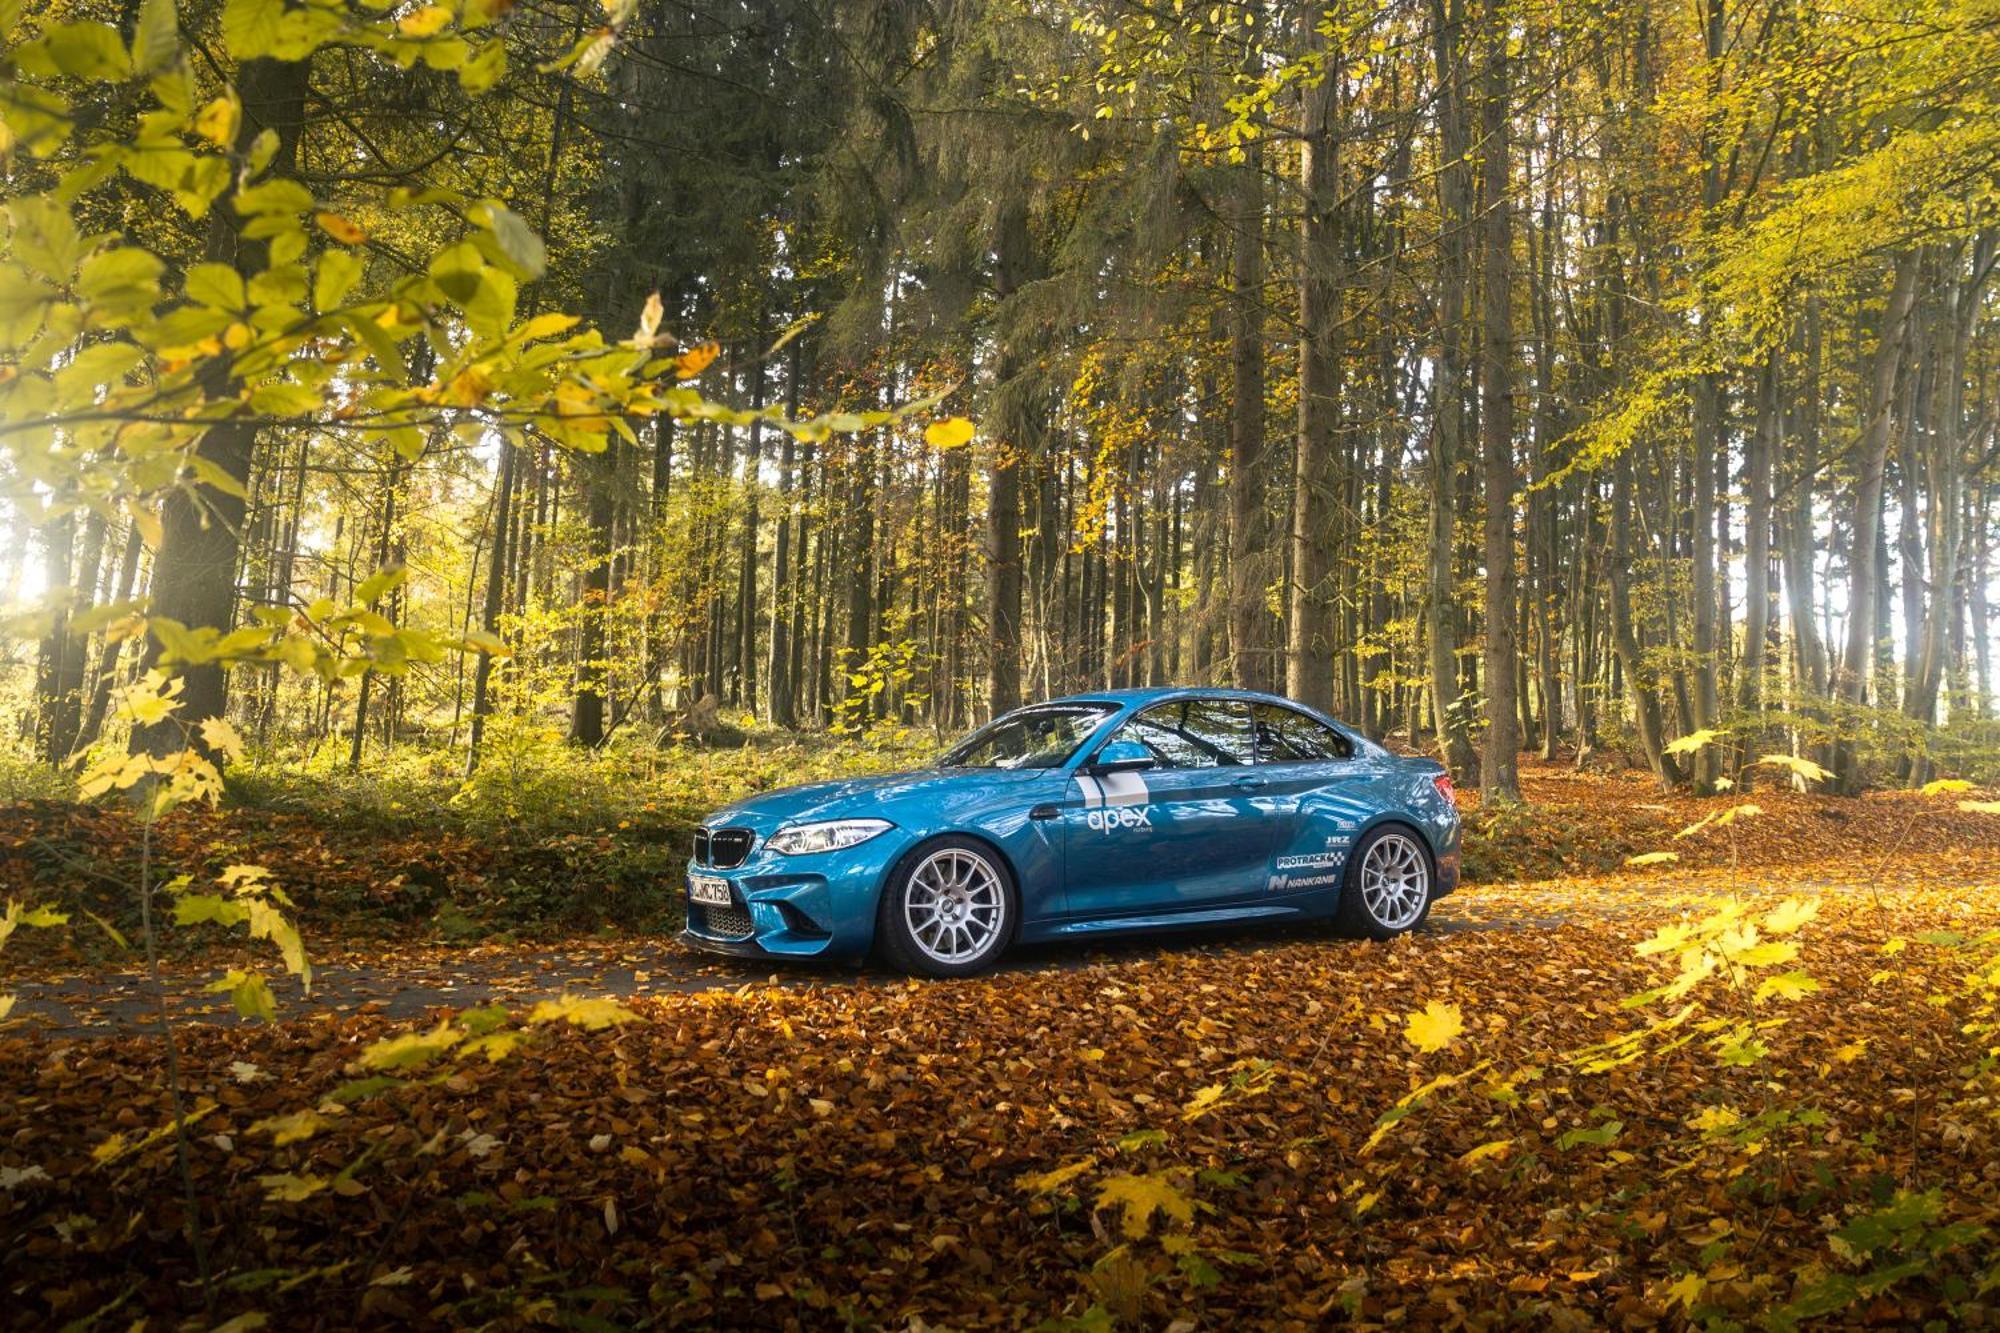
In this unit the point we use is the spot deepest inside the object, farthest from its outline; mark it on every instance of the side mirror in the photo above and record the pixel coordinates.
(1121, 757)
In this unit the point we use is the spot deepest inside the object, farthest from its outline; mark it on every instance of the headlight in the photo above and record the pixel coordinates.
(831, 836)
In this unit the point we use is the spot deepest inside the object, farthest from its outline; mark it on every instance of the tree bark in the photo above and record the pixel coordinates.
(1865, 526)
(1499, 777)
(1309, 656)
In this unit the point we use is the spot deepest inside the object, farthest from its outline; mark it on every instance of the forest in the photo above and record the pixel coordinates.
(448, 447)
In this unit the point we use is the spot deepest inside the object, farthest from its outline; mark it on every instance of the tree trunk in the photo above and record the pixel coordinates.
(1865, 526)
(1499, 778)
(1309, 655)
(194, 571)
(1249, 620)
(1447, 401)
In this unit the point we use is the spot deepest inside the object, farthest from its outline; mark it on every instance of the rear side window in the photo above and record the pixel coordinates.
(1286, 737)
(1194, 733)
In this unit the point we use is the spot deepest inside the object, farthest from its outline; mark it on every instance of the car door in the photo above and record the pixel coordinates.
(1188, 833)
(1314, 779)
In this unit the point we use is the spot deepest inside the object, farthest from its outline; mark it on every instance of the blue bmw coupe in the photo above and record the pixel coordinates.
(1101, 814)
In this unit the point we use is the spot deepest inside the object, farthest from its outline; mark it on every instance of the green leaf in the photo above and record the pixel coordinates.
(516, 239)
(1597, 1137)
(484, 69)
(156, 42)
(335, 277)
(122, 282)
(490, 309)
(216, 285)
(249, 992)
(273, 197)
(88, 51)
(412, 1049)
(377, 584)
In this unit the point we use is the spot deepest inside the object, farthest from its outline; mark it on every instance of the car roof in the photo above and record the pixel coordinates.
(1146, 694)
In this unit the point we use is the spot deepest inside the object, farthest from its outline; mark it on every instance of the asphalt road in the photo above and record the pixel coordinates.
(408, 982)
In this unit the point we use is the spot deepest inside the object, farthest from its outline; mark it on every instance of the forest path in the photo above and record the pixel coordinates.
(408, 981)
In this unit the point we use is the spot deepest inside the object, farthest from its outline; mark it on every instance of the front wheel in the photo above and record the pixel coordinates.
(948, 910)
(1387, 890)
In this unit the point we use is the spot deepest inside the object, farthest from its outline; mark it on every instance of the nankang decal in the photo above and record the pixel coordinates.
(1311, 860)
(1280, 883)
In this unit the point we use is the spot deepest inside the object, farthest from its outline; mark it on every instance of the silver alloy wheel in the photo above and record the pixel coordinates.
(955, 905)
(1395, 881)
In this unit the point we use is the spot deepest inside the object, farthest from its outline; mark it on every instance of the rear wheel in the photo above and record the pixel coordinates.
(948, 911)
(1387, 890)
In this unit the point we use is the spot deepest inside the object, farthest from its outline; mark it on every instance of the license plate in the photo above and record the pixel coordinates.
(709, 890)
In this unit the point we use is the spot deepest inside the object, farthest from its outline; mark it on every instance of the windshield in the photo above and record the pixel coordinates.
(1040, 737)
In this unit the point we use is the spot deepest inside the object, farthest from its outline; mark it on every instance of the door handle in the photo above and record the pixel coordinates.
(1247, 783)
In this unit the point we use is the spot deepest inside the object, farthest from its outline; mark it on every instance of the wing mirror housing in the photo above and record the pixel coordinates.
(1121, 757)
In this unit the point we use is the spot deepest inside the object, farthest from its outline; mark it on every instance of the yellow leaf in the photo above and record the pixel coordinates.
(6, 1005)
(1694, 740)
(289, 1188)
(425, 22)
(1851, 1052)
(1804, 768)
(1980, 807)
(647, 333)
(338, 227)
(948, 433)
(592, 1014)
(1667, 939)
(1047, 1182)
(1435, 1027)
(150, 699)
(1652, 858)
(695, 360)
(1789, 915)
(1496, 1148)
(217, 121)
(293, 1128)
(1686, 1291)
(1142, 1196)
(217, 734)
(1940, 786)
(1786, 986)
(1713, 1118)
(1204, 1100)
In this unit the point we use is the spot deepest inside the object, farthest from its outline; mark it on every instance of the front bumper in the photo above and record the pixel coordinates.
(821, 905)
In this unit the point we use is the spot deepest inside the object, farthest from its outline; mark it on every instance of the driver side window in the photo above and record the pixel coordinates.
(1194, 733)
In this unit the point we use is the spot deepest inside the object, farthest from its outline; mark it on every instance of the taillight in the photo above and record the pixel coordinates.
(1443, 783)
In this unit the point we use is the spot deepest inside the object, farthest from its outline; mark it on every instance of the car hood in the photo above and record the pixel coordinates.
(882, 796)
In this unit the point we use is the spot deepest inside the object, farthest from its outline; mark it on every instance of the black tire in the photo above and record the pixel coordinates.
(1404, 847)
(929, 933)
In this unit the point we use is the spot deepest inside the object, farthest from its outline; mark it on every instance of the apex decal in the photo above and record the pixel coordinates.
(1114, 818)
